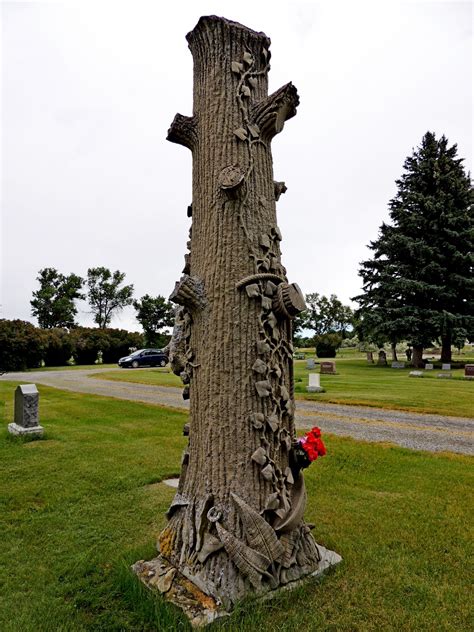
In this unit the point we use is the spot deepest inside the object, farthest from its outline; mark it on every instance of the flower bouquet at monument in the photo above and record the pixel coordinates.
(309, 448)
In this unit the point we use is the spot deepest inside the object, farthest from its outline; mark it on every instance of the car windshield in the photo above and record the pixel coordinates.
(135, 353)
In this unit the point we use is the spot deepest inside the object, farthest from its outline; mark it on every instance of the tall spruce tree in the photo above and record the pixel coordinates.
(419, 286)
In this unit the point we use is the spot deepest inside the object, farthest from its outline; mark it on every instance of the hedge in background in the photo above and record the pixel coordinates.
(21, 345)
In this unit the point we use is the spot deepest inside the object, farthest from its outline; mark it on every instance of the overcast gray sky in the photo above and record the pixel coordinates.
(89, 90)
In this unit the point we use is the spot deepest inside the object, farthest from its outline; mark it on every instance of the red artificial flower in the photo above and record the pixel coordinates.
(312, 444)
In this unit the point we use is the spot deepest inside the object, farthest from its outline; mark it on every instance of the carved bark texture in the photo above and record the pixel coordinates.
(235, 351)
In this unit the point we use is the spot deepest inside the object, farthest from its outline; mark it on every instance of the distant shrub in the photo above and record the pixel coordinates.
(112, 343)
(327, 345)
(119, 343)
(58, 346)
(87, 342)
(21, 345)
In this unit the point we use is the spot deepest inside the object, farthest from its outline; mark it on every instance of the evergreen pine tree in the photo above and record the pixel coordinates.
(419, 286)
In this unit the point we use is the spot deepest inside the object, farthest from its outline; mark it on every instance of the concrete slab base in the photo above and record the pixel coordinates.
(18, 431)
(200, 608)
(315, 389)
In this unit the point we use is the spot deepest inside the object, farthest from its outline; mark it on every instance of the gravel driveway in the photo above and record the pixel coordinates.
(434, 433)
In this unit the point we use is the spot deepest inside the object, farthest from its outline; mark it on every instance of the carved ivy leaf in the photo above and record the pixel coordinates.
(285, 439)
(273, 422)
(276, 370)
(252, 290)
(263, 264)
(270, 288)
(253, 128)
(257, 420)
(264, 388)
(272, 502)
(262, 346)
(237, 67)
(253, 82)
(259, 366)
(277, 233)
(245, 91)
(267, 472)
(260, 456)
(267, 305)
(264, 241)
(289, 476)
(284, 393)
(241, 133)
(272, 320)
(248, 59)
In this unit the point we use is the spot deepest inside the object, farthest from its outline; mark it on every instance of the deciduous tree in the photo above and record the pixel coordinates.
(154, 314)
(54, 303)
(106, 294)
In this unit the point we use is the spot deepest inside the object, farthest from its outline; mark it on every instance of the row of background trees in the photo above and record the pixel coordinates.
(418, 287)
(59, 338)
(54, 303)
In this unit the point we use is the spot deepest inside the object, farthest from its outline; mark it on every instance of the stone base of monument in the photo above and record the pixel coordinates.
(33, 431)
(200, 608)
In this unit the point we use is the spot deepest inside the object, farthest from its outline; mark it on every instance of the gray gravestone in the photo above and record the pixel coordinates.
(26, 411)
(382, 361)
(416, 373)
(314, 385)
(445, 375)
(446, 367)
(310, 363)
(398, 365)
(428, 367)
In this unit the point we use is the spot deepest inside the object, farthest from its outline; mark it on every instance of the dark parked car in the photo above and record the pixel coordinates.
(144, 357)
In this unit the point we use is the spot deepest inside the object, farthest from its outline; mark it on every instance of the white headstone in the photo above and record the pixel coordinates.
(314, 385)
(428, 367)
(416, 373)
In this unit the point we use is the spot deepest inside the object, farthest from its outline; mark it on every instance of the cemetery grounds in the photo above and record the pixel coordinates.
(84, 503)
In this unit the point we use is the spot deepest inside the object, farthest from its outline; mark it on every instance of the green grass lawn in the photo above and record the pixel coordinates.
(356, 383)
(78, 507)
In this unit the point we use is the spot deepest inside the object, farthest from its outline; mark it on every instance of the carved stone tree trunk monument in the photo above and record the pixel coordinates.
(236, 523)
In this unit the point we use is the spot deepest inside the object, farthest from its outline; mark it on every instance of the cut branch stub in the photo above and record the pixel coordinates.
(271, 113)
(189, 291)
(279, 188)
(288, 300)
(231, 177)
(183, 131)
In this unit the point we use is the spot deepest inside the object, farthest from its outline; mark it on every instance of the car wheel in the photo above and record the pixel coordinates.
(163, 363)
(135, 364)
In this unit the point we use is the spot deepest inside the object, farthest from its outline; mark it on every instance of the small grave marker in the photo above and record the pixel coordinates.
(446, 367)
(445, 375)
(416, 373)
(310, 363)
(382, 361)
(328, 368)
(314, 385)
(26, 411)
(398, 365)
(428, 367)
